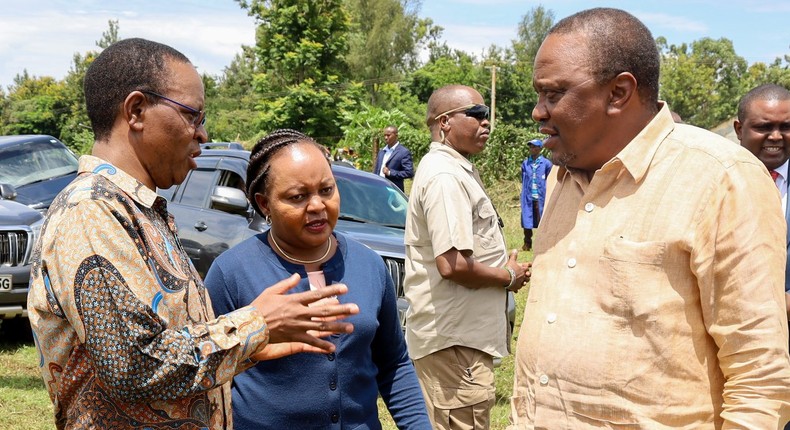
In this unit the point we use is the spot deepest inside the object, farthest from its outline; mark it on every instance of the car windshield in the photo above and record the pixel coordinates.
(30, 162)
(365, 200)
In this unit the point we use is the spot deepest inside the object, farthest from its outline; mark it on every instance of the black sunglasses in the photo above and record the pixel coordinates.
(478, 112)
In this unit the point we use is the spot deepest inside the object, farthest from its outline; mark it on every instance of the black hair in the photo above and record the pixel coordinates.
(261, 156)
(617, 42)
(762, 92)
(125, 66)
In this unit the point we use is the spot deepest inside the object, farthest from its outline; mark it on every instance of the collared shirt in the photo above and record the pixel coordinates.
(448, 208)
(781, 182)
(387, 154)
(124, 327)
(656, 298)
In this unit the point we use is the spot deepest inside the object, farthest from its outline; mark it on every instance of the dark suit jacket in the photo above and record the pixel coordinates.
(399, 163)
(787, 266)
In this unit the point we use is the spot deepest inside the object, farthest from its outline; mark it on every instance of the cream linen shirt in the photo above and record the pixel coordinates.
(657, 293)
(448, 208)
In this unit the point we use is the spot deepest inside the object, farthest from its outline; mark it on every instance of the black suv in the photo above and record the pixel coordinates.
(19, 228)
(213, 214)
(34, 168)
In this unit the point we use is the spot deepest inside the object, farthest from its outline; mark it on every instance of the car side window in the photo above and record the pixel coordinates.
(232, 179)
(199, 181)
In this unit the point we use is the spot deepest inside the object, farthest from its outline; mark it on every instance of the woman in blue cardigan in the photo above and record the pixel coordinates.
(290, 183)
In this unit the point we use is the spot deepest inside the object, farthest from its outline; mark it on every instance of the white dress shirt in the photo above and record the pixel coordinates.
(387, 154)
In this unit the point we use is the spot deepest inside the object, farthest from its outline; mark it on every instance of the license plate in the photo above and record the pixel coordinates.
(6, 282)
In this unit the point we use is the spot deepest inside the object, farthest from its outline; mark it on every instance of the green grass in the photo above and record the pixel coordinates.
(25, 404)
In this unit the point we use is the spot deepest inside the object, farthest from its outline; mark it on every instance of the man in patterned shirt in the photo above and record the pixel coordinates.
(121, 319)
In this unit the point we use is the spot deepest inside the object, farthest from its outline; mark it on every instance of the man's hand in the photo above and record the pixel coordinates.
(296, 327)
(523, 271)
(386, 171)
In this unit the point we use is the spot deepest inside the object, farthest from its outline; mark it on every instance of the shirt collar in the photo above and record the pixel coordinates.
(639, 152)
(782, 170)
(129, 185)
(388, 149)
(447, 149)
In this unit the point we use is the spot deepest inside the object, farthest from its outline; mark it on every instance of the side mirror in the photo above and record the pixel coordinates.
(7, 192)
(230, 200)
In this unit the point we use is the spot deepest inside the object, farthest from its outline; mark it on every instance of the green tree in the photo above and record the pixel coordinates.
(232, 101)
(384, 41)
(775, 73)
(363, 131)
(35, 106)
(456, 67)
(300, 72)
(702, 82)
(532, 29)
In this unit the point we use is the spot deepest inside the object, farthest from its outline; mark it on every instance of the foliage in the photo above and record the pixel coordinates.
(774, 73)
(384, 41)
(532, 29)
(363, 132)
(703, 83)
(505, 150)
(457, 67)
(299, 70)
(35, 106)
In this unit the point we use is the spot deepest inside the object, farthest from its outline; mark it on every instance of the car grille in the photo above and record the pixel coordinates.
(396, 269)
(13, 247)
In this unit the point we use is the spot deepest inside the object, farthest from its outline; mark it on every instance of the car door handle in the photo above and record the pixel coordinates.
(200, 226)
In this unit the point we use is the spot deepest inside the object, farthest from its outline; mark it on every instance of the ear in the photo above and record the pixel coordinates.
(622, 91)
(263, 203)
(133, 110)
(444, 123)
(738, 129)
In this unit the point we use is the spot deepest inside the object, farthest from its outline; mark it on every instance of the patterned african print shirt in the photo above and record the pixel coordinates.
(122, 322)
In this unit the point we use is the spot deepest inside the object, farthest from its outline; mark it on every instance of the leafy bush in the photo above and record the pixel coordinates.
(505, 151)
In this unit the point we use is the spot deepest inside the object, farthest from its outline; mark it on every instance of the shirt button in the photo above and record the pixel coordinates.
(331, 356)
(333, 385)
(544, 379)
(571, 263)
(335, 418)
(551, 317)
(589, 207)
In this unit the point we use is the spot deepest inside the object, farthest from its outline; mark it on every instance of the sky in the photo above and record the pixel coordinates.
(42, 36)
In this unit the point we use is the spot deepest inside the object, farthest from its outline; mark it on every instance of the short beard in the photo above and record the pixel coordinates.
(562, 160)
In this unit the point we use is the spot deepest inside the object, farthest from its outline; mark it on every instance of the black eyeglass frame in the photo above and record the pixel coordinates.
(201, 115)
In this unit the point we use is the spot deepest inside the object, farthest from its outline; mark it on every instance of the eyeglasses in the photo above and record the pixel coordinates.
(479, 112)
(198, 116)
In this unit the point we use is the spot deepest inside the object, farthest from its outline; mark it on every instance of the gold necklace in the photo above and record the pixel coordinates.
(296, 260)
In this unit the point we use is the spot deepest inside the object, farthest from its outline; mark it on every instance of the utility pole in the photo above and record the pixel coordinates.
(493, 96)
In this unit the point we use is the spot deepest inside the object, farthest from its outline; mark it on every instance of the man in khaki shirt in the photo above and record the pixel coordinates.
(457, 267)
(657, 296)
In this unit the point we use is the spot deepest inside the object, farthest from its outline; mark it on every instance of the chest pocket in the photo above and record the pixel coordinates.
(633, 273)
(485, 225)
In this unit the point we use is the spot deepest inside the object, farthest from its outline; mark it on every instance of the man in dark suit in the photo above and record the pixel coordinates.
(394, 161)
(763, 127)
